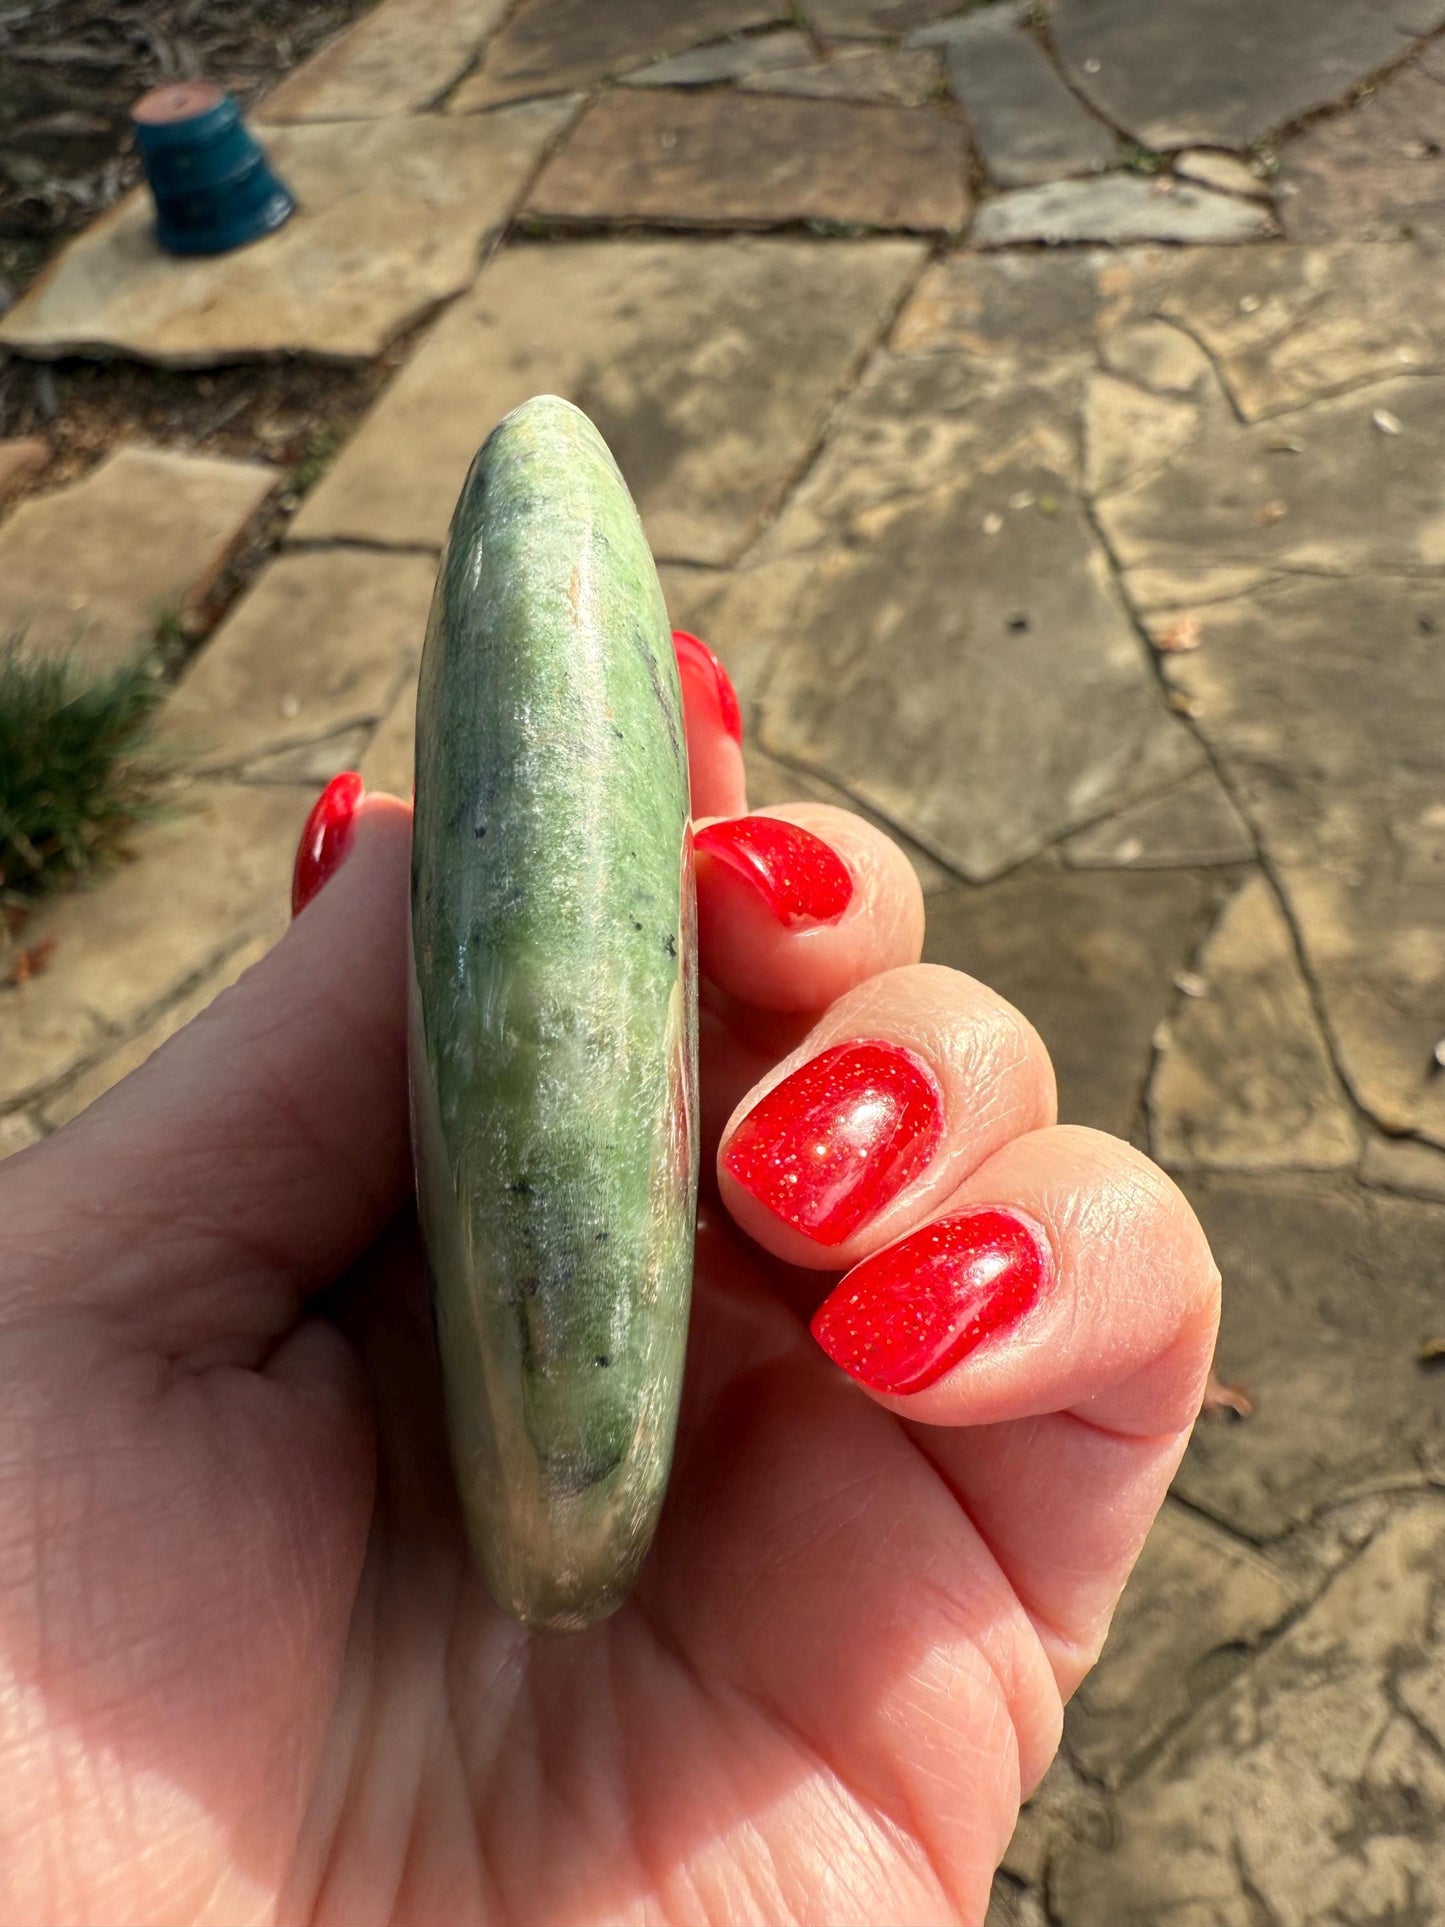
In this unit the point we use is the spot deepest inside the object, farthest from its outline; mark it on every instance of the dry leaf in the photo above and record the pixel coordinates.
(1220, 1398)
(1387, 423)
(1271, 512)
(1180, 636)
(30, 963)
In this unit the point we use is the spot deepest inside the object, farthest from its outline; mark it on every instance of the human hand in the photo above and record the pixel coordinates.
(248, 1674)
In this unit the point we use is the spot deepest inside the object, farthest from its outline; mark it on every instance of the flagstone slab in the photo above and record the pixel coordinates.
(1118, 208)
(400, 57)
(746, 55)
(1329, 1291)
(1227, 172)
(677, 158)
(1089, 957)
(1404, 1165)
(876, 19)
(709, 367)
(21, 458)
(1313, 1788)
(1027, 125)
(393, 218)
(1224, 73)
(907, 76)
(1193, 823)
(553, 46)
(1004, 306)
(1325, 703)
(319, 644)
(93, 1082)
(1243, 1080)
(1198, 1600)
(97, 564)
(213, 874)
(1376, 171)
(389, 762)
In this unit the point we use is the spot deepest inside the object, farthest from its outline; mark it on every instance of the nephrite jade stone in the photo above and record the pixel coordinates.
(554, 1017)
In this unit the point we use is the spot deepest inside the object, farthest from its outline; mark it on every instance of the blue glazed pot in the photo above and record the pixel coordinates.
(213, 186)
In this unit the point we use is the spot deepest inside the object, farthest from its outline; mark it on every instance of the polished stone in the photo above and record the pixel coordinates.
(710, 368)
(393, 217)
(99, 563)
(687, 159)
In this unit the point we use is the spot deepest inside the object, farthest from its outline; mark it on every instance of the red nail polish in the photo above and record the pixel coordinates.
(697, 662)
(326, 837)
(796, 874)
(904, 1317)
(827, 1148)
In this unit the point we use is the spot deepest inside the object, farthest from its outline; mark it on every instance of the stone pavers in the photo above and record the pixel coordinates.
(99, 564)
(393, 216)
(709, 366)
(1108, 574)
(683, 159)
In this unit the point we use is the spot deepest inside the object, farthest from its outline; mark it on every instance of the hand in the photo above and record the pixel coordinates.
(247, 1672)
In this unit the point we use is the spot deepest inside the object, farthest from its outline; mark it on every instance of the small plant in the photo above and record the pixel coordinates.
(78, 766)
(322, 447)
(1143, 160)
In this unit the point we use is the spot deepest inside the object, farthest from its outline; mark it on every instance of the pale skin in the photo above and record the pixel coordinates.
(246, 1672)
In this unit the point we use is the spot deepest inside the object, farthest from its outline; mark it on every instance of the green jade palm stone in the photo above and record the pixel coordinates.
(554, 1017)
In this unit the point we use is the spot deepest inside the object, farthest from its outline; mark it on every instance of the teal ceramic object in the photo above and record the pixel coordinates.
(554, 1016)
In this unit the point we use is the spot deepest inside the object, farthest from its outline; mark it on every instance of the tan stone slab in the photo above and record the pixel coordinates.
(212, 875)
(550, 45)
(98, 562)
(1376, 171)
(401, 56)
(755, 54)
(1004, 306)
(1130, 432)
(18, 1131)
(1227, 172)
(1325, 702)
(1197, 1595)
(1243, 1080)
(21, 458)
(390, 759)
(394, 214)
(907, 76)
(876, 19)
(709, 367)
(1313, 1789)
(319, 644)
(1404, 1165)
(98, 1078)
(694, 159)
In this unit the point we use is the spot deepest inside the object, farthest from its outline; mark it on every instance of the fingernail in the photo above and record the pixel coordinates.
(907, 1315)
(827, 1148)
(796, 874)
(697, 662)
(326, 837)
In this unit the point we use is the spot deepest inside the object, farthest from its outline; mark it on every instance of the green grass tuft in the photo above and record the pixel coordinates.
(78, 766)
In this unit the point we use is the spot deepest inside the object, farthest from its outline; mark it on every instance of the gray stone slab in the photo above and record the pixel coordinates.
(1004, 306)
(1243, 1080)
(1196, 1605)
(967, 669)
(1090, 958)
(1224, 73)
(1193, 823)
(1324, 701)
(747, 55)
(906, 76)
(710, 369)
(98, 563)
(213, 874)
(1313, 1790)
(1118, 208)
(1376, 171)
(553, 46)
(393, 217)
(397, 58)
(1027, 124)
(320, 643)
(876, 19)
(716, 158)
(1329, 1291)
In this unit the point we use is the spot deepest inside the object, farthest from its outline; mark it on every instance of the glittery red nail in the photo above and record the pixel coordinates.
(827, 1148)
(795, 873)
(907, 1315)
(704, 673)
(326, 837)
